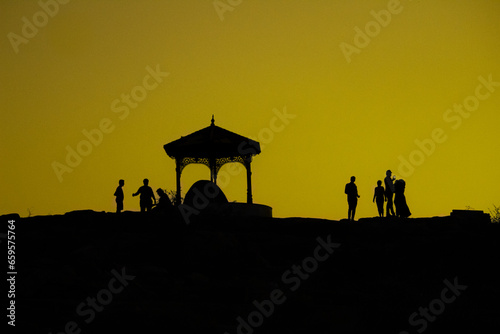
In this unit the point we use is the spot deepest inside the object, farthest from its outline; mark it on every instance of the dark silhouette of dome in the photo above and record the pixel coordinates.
(204, 192)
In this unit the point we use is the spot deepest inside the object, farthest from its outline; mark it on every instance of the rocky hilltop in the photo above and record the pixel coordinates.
(96, 272)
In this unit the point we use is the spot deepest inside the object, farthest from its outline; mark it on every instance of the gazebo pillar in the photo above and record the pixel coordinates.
(213, 170)
(178, 181)
(249, 180)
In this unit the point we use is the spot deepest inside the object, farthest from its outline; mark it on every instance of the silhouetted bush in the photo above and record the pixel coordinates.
(495, 214)
(172, 194)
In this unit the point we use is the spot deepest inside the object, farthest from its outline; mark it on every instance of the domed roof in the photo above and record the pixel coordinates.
(212, 142)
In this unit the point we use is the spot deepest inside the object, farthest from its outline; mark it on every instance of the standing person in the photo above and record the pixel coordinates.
(352, 197)
(402, 209)
(389, 192)
(119, 196)
(146, 196)
(379, 195)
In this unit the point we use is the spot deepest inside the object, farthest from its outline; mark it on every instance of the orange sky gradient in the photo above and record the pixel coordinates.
(330, 89)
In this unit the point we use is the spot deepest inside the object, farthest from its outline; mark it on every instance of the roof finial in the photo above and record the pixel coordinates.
(213, 120)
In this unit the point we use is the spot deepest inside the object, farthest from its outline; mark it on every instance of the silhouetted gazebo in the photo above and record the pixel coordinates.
(213, 147)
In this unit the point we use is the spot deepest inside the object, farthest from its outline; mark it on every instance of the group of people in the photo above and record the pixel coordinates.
(393, 187)
(381, 195)
(147, 199)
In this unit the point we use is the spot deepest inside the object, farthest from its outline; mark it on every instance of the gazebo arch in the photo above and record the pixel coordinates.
(213, 147)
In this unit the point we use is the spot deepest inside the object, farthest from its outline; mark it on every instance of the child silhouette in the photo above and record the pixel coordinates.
(379, 196)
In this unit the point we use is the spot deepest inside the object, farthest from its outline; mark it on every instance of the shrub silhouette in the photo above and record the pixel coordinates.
(495, 214)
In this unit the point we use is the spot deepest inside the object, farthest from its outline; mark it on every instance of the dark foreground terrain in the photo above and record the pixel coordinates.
(90, 272)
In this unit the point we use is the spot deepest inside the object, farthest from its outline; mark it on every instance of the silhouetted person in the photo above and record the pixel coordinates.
(119, 196)
(402, 209)
(164, 203)
(379, 196)
(389, 192)
(352, 197)
(146, 195)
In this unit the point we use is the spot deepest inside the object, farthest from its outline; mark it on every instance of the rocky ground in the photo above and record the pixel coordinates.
(91, 272)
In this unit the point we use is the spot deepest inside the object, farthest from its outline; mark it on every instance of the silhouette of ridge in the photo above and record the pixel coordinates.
(203, 275)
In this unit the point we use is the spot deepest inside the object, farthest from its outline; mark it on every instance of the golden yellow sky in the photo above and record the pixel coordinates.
(357, 85)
